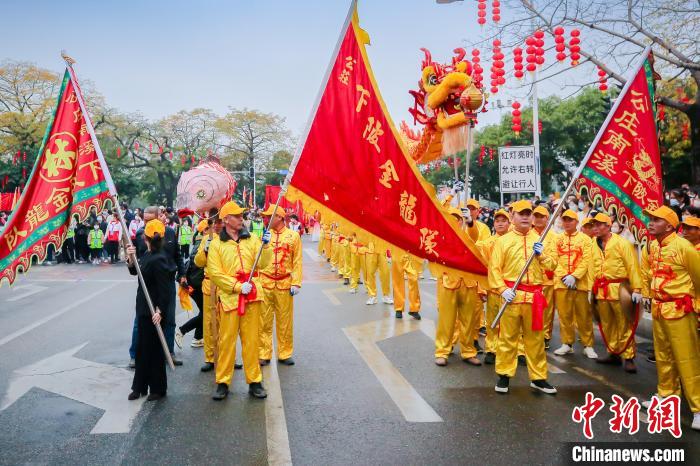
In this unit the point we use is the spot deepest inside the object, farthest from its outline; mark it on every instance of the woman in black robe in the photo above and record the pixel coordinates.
(150, 359)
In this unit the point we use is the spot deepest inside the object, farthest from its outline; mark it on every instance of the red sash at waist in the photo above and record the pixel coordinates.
(604, 283)
(539, 302)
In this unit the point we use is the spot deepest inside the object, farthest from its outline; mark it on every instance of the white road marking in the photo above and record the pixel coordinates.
(50, 317)
(278, 452)
(99, 385)
(331, 295)
(25, 291)
(313, 255)
(364, 338)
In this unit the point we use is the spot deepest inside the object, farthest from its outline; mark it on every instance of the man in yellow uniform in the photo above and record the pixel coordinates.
(335, 250)
(376, 261)
(230, 262)
(614, 262)
(456, 300)
(321, 238)
(478, 231)
(357, 262)
(281, 281)
(210, 314)
(411, 268)
(346, 259)
(540, 218)
(501, 224)
(525, 313)
(671, 278)
(587, 227)
(573, 255)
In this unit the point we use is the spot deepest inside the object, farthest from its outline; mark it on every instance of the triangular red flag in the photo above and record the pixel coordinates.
(355, 170)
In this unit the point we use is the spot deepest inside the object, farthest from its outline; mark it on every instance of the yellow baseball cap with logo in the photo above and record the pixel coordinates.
(541, 210)
(521, 205)
(692, 222)
(502, 213)
(602, 218)
(230, 208)
(568, 213)
(665, 213)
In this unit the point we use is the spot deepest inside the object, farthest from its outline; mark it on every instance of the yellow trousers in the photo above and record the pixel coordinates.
(616, 327)
(335, 255)
(517, 320)
(278, 305)
(321, 243)
(548, 291)
(574, 314)
(347, 261)
(328, 247)
(247, 326)
(493, 304)
(397, 278)
(208, 314)
(374, 263)
(455, 311)
(356, 261)
(678, 358)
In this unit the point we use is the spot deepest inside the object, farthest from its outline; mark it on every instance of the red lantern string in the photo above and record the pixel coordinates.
(24, 156)
(24, 173)
(517, 122)
(171, 155)
(119, 152)
(530, 50)
(539, 126)
(477, 74)
(491, 154)
(496, 11)
(574, 47)
(560, 43)
(481, 13)
(497, 68)
(539, 48)
(136, 146)
(192, 160)
(602, 80)
(518, 62)
(661, 112)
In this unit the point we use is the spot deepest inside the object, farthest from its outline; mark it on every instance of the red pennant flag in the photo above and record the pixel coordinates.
(377, 193)
(67, 179)
(622, 169)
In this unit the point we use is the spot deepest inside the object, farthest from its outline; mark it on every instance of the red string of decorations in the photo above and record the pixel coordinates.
(496, 11)
(574, 46)
(481, 13)
(517, 122)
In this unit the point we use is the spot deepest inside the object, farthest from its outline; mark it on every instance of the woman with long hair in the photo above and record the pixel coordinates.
(150, 360)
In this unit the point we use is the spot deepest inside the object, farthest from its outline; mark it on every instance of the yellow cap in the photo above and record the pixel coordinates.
(522, 204)
(602, 218)
(153, 227)
(230, 208)
(568, 213)
(280, 211)
(202, 225)
(473, 203)
(503, 213)
(692, 222)
(455, 211)
(586, 221)
(665, 213)
(541, 210)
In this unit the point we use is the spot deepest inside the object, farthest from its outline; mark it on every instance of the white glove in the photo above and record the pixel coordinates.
(569, 281)
(294, 290)
(266, 237)
(246, 288)
(508, 295)
(538, 248)
(637, 297)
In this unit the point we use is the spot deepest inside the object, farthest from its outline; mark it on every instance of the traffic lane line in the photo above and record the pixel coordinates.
(278, 451)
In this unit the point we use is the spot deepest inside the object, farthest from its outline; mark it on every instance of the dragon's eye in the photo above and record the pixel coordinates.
(432, 80)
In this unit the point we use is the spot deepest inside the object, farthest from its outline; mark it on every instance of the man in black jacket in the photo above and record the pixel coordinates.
(172, 252)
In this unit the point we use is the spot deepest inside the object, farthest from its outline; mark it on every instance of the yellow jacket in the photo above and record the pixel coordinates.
(618, 261)
(200, 260)
(485, 247)
(227, 258)
(573, 256)
(479, 231)
(670, 271)
(550, 250)
(284, 269)
(508, 257)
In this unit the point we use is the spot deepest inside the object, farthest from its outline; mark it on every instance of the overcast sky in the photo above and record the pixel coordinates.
(158, 57)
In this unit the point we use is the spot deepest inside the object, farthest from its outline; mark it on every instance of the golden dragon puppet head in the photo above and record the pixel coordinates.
(446, 104)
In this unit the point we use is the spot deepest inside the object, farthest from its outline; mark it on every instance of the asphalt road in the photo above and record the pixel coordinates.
(364, 390)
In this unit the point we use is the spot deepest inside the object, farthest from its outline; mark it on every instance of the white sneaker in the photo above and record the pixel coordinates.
(646, 403)
(353, 290)
(696, 421)
(178, 338)
(387, 300)
(564, 349)
(371, 300)
(197, 343)
(590, 353)
(333, 269)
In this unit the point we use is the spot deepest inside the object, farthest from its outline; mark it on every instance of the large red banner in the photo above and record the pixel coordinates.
(354, 168)
(623, 173)
(67, 180)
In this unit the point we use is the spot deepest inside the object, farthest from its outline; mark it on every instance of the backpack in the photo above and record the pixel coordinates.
(194, 275)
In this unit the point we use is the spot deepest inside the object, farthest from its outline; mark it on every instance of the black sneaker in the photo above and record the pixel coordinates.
(546, 344)
(415, 315)
(176, 361)
(522, 361)
(482, 331)
(543, 386)
(238, 365)
(257, 390)
(207, 367)
(264, 362)
(502, 384)
(652, 358)
(286, 362)
(478, 347)
(221, 392)
(346, 281)
(490, 358)
(399, 315)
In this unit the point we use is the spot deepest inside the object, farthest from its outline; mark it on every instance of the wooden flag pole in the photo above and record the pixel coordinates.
(113, 192)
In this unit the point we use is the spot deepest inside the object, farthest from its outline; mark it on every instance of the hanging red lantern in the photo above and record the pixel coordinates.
(481, 13)
(192, 160)
(119, 152)
(602, 80)
(516, 127)
(24, 173)
(661, 114)
(491, 154)
(171, 155)
(539, 126)
(574, 47)
(24, 156)
(496, 11)
(136, 146)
